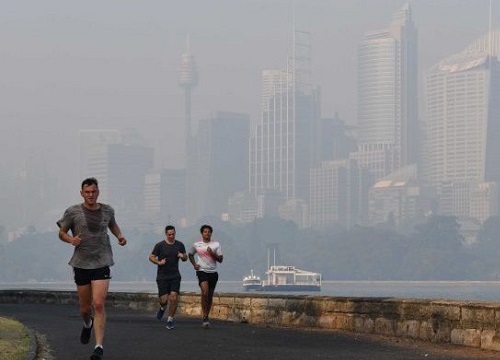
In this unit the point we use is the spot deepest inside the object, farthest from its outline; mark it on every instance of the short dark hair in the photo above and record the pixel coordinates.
(203, 227)
(169, 227)
(90, 181)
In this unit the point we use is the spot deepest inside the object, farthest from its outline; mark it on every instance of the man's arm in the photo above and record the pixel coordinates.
(64, 236)
(193, 262)
(154, 259)
(115, 229)
(219, 255)
(182, 254)
(216, 255)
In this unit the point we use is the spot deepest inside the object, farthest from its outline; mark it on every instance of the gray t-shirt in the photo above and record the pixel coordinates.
(94, 251)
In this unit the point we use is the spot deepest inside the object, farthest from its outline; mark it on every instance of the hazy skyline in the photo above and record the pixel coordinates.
(114, 64)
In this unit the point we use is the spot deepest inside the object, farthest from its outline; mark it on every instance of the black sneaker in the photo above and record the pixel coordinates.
(85, 334)
(97, 354)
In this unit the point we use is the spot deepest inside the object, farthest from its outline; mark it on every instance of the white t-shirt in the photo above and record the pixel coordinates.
(203, 258)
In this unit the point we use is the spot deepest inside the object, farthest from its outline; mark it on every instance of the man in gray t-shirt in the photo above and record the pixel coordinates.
(92, 257)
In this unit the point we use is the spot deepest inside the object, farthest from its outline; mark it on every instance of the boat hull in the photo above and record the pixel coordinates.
(254, 287)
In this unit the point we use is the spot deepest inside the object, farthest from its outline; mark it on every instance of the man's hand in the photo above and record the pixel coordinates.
(75, 240)
(122, 241)
(211, 253)
(214, 255)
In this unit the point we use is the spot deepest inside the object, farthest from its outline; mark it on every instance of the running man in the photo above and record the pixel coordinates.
(92, 258)
(208, 252)
(166, 255)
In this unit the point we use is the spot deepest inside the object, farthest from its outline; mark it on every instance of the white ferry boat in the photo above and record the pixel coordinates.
(290, 278)
(252, 282)
(283, 278)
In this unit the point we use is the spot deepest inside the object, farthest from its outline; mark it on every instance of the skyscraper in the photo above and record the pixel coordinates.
(463, 118)
(119, 162)
(164, 197)
(220, 164)
(282, 141)
(337, 142)
(387, 90)
(339, 194)
(92, 147)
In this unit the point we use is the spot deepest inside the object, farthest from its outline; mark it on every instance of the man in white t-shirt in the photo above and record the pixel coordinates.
(208, 252)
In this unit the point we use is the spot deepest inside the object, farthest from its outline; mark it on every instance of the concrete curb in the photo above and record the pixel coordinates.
(33, 344)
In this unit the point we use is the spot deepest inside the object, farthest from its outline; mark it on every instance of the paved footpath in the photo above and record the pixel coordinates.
(138, 335)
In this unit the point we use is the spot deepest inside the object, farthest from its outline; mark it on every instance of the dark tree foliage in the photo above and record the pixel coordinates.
(434, 250)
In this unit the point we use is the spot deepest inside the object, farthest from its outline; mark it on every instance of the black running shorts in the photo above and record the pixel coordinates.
(85, 276)
(166, 286)
(212, 278)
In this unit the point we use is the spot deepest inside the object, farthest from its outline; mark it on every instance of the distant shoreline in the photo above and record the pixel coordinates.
(453, 290)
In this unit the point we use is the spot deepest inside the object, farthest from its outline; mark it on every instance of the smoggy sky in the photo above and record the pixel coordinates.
(69, 65)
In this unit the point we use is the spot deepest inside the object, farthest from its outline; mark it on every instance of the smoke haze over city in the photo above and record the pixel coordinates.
(114, 67)
(115, 64)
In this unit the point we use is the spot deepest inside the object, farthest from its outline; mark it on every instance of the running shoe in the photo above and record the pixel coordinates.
(159, 314)
(170, 324)
(205, 323)
(85, 334)
(97, 354)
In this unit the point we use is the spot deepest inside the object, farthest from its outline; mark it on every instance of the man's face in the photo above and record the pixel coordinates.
(170, 235)
(206, 234)
(90, 193)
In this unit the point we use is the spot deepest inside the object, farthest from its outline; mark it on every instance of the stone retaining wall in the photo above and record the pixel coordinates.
(475, 324)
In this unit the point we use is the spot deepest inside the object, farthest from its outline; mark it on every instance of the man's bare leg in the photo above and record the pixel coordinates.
(85, 301)
(172, 303)
(99, 293)
(204, 298)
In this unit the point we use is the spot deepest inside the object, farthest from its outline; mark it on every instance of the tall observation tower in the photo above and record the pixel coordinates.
(187, 80)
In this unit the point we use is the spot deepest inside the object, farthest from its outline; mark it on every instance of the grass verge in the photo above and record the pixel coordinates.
(14, 340)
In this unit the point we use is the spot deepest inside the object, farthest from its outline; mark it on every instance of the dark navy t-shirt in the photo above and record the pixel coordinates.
(164, 250)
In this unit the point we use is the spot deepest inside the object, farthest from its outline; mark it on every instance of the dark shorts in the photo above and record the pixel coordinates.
(85, 276)
(212, 278)
(166, 286)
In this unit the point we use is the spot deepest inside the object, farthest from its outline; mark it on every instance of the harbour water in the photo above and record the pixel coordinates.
(450, 290)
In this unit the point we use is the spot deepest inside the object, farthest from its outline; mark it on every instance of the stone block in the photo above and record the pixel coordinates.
(364, 324)
(426, 331)
(343, 322)
(439, 311)
(466, 337)
(384, 326)
(478, 317)
(337, 305)
(326, 321)
(408, 328)
(490, 340)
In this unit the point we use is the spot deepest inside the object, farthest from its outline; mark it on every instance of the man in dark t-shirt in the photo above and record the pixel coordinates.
(166, 255)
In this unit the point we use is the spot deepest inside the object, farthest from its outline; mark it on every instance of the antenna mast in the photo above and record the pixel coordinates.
(490, 36)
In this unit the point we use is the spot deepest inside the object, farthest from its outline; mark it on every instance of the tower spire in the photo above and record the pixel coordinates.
(188, 79)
